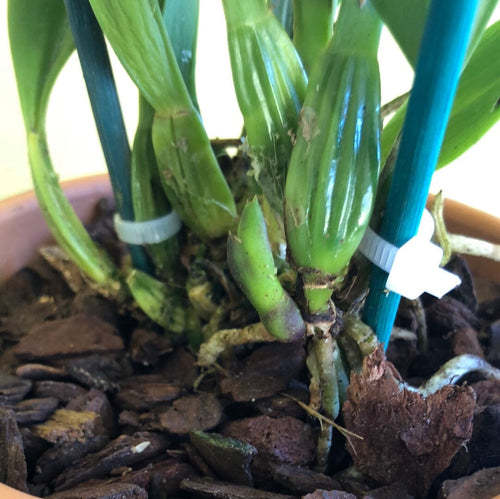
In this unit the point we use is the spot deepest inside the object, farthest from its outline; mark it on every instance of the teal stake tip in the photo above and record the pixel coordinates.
(442, 53)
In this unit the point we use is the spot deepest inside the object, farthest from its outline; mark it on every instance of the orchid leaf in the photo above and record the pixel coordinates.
(41, 43)
(283, 10)
(189, 172)
(181, 21)
(405, 20)
(139, 38)
(477, 102)
(475, 109)
(312, 28)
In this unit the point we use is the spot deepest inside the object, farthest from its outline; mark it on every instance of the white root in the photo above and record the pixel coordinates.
(455, 369)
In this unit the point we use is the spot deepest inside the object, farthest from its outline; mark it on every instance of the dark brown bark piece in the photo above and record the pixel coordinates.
(484, 483)
(24, 317)
(36, 371)
(146, 347)
(465, 340)
(66, 426)
(282, 405)
(161, 479)
(202, 411)
(63, 391)
(493, 356)
(77, 335)
(95, 401)
(228, 457)
(483, 449)
(402, 351)
(12, 388)
(286, 439)
(103, 491)
(406, 437)
(267, 371)
(124, 451)
(464, 293)
(145, 392)
(53, 461)
(389, 492)
(304, 480)
(487, 392)
(145, 421)
(35, 410)
(179, 368)
(448, 314)
(197, 461)
(13, 470)
(93, 305)
(329, 494)
(206, 487)
(97, 371)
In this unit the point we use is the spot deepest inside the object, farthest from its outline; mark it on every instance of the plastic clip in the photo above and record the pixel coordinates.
(148, 232)
(414, 268)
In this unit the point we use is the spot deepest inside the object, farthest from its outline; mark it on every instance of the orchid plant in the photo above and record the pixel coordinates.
(272, 233)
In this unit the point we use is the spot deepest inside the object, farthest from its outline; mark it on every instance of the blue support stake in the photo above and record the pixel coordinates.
(442, 52)
(103, 96)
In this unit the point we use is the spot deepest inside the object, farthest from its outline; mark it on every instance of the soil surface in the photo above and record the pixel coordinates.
(96, 402)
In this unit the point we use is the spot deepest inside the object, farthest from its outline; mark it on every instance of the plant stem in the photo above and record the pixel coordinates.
(148, 197)
(270, 84)
(312, 28)
(333, 171)
(65, 226)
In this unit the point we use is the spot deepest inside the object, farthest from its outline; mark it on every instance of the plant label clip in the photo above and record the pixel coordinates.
(414, 267)
(149, 231)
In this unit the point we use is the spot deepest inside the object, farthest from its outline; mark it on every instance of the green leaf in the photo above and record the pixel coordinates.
(189, 172)
(181, 20)
(475, 109)
(312, 28)
(283, 10)
(137, 34)
(40, 43)
(406, 20)
(477, 103)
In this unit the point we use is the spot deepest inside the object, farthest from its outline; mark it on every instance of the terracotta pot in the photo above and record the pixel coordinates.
(10, 493)
(23, 230)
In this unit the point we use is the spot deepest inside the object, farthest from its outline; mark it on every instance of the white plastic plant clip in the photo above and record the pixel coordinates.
(414, 268)
(147, 232)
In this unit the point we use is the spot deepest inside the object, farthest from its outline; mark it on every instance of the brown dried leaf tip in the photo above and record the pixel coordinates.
(406, 437)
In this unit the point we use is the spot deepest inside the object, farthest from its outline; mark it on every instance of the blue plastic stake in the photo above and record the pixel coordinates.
(442, 52)
(103, 96)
